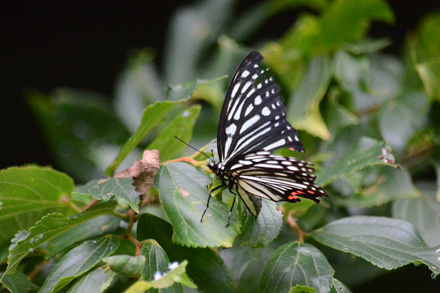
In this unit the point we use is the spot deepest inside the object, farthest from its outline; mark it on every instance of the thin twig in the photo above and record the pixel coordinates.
(185, 159)
(132, 220)
(35, 272)
(292, 223)
(91, 203)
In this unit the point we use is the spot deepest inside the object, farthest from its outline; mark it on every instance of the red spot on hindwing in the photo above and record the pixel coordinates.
(293, 195)
(292, 149)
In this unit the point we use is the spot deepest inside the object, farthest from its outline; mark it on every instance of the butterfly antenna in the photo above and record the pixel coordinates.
(212, 155)
(193, 148)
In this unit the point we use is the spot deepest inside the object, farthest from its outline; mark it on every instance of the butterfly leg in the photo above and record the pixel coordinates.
(209, 199)
(230, 211)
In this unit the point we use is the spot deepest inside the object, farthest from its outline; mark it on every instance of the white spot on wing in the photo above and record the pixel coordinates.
(249, 109)
(245, 87)
(245, 73)
(236, 166)
(235, 89)
(227, 144)
(275, 145)
(238, 112)
(258, 100)
(265, 111)
(231, 129)
(262, 165)
(249, 123)
(250, 92)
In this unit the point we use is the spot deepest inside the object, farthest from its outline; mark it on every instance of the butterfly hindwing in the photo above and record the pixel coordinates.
(253, 116)
(276, 178)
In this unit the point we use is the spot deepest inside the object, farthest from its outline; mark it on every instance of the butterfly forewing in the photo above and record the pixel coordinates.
(253, 116)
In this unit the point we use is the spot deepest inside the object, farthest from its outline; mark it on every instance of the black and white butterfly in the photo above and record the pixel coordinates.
(253, 123)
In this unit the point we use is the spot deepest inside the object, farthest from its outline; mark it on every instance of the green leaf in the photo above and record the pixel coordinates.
(184, 91)
(437, 171)
(183, 195)
(366, 45)
(429, 34)
(423, 213)
(18, 283)
(95, 281)
(47, 228)
(303, 109)
(320, 35)
(313, 216)
(92, 228)
(246, 264)
(138, 85)
(365, 153)
(386, 243)
(297, 264)
(350, 71)
(391, 184)
(152, 116)
(261, 230)
(385, 77)
(429, 73)
(81, 129)
(338, 116)
(176, 275)
(302, 289)
(157, 261)
(126, 265)
(370, 79)
(192, 30)
(397, 131)
(121, 188)
(339, 287)
(182, 127)
(78, 261)
(205, 267)
(27, 193)
(426, 56)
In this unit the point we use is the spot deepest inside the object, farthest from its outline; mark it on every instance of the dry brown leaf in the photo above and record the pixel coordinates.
(143, 171)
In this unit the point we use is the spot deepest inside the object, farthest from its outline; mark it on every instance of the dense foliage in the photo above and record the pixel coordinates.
(369, 122)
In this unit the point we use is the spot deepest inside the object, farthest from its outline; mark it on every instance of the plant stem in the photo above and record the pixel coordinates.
(91, 203)
(292, 223)
(35, 272)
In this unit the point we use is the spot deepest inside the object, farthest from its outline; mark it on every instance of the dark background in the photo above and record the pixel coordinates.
(85, 44)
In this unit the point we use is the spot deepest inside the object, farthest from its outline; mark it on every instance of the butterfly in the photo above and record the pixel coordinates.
(252, 124)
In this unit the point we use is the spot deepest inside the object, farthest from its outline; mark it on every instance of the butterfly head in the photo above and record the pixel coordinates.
(212, 166)
(218, 169)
